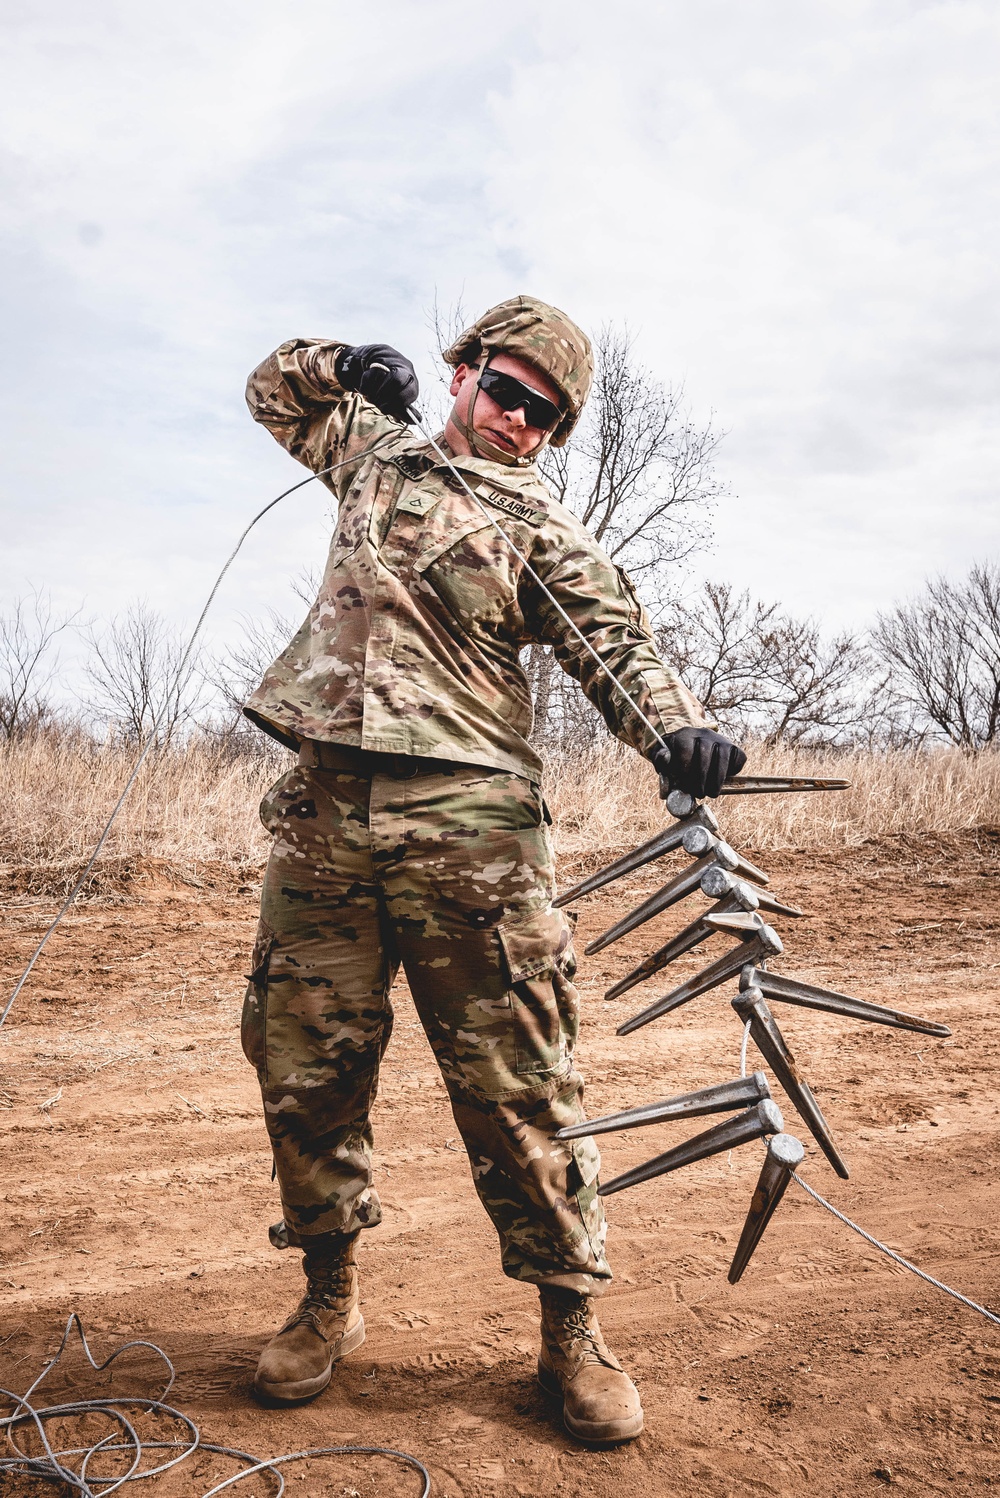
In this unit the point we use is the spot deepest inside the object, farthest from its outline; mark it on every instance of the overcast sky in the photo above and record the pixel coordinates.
(793, 205)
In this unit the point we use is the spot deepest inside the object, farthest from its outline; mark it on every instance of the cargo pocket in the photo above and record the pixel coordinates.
(284, 792)
(586, 1167)
(545, 1006)
(253, 1025)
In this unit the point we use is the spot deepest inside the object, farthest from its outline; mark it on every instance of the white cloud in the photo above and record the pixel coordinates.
(794, 206)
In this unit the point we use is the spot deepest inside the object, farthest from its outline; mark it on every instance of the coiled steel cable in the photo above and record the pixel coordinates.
(52, 1466)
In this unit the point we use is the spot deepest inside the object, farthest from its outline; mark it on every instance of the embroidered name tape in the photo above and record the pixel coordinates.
(412, 465)
(519, 508)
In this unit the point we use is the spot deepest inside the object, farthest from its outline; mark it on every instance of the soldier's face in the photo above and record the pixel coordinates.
(507, 429)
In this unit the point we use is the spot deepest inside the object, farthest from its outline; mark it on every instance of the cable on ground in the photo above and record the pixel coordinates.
(125, 1439)
(973, 1305)
(897, 1258)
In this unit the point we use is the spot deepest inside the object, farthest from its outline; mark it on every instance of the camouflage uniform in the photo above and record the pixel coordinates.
(409, 662)
(450, 872)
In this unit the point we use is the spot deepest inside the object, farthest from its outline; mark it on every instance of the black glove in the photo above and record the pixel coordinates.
(392, 387)
(700, 761)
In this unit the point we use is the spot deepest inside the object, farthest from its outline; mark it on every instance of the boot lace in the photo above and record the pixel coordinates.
(575, 1326)
(323, 1291)
(575, 1323)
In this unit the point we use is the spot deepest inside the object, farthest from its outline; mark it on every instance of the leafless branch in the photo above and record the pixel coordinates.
(133, 670)
(638, 472)
(759, 670)
(944, 649)
(28, 660)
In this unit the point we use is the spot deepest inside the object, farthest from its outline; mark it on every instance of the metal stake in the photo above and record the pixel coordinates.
(750, 1005)
(765, 1118)
(788, 990)
(722, 1098)
(784, 1153)
(761, 945)
(657, 847)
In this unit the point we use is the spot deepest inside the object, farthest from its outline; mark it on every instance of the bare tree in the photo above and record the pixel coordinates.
(759, 670)
(638, 472)
(641, 476)
(944, 649)
(28, 661)
(240, 670)
(135, 672)
(445, 324)
(717, 641)
(814, 688)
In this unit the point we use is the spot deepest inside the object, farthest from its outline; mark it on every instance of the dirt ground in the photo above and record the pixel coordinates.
(138, 1192)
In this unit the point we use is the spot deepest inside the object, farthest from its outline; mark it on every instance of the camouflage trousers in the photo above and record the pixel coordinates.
(450, 873)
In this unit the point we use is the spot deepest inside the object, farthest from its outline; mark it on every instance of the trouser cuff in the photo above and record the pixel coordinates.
(282, 1236)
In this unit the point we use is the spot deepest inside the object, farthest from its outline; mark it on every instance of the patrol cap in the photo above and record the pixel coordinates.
(542, 335)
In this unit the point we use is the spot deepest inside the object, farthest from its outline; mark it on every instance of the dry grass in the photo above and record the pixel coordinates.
(192, 805)
(198, 806)
(610, 800)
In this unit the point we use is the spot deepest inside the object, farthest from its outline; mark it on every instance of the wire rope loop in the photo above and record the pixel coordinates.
(51, 1466)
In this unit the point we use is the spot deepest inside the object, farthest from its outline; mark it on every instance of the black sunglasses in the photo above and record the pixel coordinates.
(510, 393)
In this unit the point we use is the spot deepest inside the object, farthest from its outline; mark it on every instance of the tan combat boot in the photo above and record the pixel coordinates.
(297, 1363)
(600, 1402)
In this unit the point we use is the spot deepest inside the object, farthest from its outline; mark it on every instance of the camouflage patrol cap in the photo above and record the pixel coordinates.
(542, 335)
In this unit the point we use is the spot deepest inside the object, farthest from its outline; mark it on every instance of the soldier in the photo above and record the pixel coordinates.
(413, 828)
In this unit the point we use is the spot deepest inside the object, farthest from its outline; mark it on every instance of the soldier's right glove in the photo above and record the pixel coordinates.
(382, 375)
(699, 761)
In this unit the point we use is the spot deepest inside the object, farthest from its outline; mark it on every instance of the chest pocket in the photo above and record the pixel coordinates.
(471, 571)
(444, 533)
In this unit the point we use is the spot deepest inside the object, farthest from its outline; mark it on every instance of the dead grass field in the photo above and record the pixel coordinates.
(141, 1195)
(198, 806)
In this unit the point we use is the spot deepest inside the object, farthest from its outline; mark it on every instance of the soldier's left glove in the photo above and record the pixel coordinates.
(699, 761)
(391, 385)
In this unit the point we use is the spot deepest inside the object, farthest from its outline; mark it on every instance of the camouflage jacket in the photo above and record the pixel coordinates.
(413, 643)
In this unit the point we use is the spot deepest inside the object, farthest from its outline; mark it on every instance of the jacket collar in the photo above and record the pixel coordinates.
(417, 451)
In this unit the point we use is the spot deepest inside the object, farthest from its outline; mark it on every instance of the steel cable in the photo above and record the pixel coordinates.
(418, 421)
(176, 682)
(882, 1247)
(181, 669)
(890, 1253)
(52, 1465)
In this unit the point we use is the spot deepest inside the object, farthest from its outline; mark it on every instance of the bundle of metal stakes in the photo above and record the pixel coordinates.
(737, 890)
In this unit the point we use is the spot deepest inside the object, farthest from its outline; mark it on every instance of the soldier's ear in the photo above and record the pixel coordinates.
(462, 373)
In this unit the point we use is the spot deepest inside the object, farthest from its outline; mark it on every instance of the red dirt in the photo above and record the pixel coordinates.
(142, 1197)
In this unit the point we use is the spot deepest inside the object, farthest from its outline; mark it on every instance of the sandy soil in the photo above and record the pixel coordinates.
(137, 1190)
